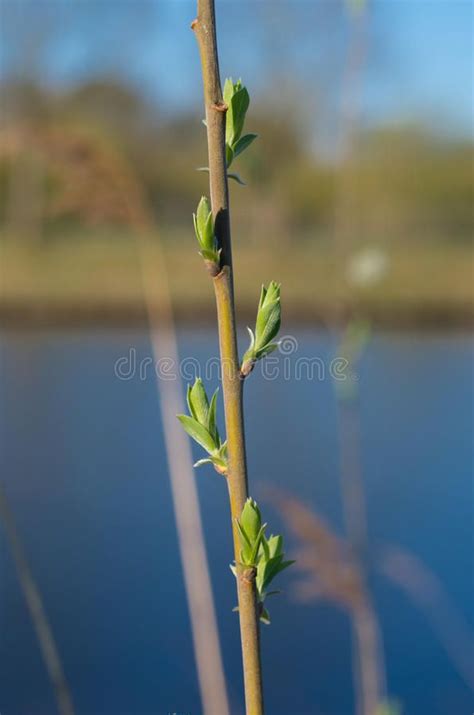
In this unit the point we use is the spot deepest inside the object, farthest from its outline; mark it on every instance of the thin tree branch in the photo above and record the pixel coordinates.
(205, 30)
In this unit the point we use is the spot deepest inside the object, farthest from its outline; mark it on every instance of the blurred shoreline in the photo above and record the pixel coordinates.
(79, 283)
(45, 314)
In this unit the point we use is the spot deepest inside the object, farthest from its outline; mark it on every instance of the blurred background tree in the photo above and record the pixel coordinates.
(72, 96)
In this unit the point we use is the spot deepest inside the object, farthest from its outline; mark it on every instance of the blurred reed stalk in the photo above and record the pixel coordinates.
(34, 602)
(198, 586)
(184, 490)
(232, 383)
(333, 572)
(119, 194)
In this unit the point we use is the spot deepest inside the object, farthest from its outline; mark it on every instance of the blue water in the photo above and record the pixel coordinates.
(83, 467)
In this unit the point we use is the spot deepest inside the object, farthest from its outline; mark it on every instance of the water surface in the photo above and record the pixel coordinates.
(82, 461)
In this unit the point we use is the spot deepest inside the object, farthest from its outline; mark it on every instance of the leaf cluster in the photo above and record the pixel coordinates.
(237, 100)
(264, 554)
(201, 426)
(204, 229)
(266, 327)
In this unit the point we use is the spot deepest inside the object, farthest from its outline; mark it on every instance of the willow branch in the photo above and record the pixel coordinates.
(205, 30)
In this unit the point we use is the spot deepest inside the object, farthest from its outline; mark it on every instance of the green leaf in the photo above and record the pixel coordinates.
(211, 417)
(204, 229)
(196, 231)
(260, 579)
(199, 401)
(251, 519)
(252, 559)
(246, 546)
(229, 117)
(276, 568)
(275, 545)
(237, 100)
(208, 239)
(228, 90)
(263, 316)
(239, 105)
(243, 143)
(263, 295)
(229, 155)
(268, 323)
(202, 216)
(265, 548)
(273, 291)
(190, 403)
(270, 570)
(198, 433)
(268, 319)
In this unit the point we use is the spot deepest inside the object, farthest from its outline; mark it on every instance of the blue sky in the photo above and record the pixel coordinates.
(419, 64)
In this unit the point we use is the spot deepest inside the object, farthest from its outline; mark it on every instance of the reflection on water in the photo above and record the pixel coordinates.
(82, 459)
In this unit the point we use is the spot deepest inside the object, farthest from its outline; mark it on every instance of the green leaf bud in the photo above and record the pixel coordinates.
(201, 426)
(198, 403)
(237, 100)
(251, 520)
(264, 555)
(199, 433)
(204, 229)
(266, 327)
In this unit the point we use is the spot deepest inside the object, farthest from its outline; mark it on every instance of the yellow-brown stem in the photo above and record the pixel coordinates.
(205, 29)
